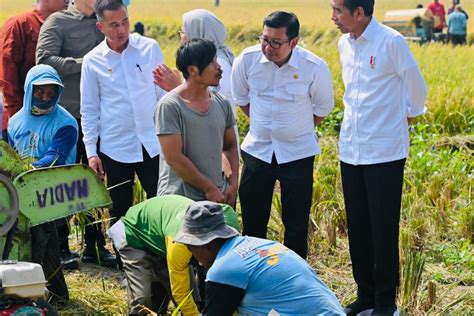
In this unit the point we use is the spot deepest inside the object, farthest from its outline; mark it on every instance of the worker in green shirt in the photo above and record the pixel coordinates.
(154, 266)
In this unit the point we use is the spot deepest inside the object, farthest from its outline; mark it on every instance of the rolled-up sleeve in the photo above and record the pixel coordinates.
(416, 89)
(239, 84)
(49, 46)
(90, 108)
(321, 91)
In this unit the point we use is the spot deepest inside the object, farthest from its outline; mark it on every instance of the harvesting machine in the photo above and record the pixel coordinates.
(413, 24)
(27, 199)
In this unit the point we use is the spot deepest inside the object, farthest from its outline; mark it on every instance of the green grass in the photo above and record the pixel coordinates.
(437, 217)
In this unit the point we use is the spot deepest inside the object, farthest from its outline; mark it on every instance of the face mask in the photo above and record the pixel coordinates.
(41, 107)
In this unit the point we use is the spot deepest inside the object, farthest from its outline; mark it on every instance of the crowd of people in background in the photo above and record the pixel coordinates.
(455, 23)
(101, 96)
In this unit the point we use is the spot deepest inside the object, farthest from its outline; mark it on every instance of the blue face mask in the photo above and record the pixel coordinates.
(41, 107)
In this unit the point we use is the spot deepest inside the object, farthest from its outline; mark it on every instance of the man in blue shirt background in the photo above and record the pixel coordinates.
(457, 24)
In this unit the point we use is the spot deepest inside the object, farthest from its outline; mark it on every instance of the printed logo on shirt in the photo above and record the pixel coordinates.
(272, 253)
(247, 246)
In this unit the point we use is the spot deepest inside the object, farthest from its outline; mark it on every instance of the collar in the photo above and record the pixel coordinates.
(104, 47)
(293, 61)
(371, 30)
(78, 14)
(38, 15)
(133, 40)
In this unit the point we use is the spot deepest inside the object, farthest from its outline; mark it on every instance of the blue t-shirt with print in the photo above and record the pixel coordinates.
(274, 279)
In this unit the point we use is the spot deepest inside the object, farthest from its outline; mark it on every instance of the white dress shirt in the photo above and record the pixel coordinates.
(118, 100)
(224, 87)
(383, 87)
(283, 101)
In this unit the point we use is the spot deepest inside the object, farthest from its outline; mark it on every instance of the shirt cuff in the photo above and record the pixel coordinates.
(414, 113)
(242, 101)
(91, 150)
(323, 111)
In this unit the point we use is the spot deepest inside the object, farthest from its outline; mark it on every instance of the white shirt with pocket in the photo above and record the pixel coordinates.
(384, 87)
(119, 98)
(283, 101)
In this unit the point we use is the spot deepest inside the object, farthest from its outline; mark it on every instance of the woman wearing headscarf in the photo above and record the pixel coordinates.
(203, 24)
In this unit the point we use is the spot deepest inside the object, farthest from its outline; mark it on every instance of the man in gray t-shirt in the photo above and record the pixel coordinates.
(195, 126)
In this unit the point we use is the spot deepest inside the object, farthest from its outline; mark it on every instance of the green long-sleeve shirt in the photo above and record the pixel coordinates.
(151, 226)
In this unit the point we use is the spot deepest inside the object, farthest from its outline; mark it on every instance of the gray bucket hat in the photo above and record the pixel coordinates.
(204, 222)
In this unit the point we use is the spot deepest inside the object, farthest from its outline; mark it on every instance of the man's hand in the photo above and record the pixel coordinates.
(230, 195)
(166, 78)
(213, 194)
(96, 164)
(317, 120)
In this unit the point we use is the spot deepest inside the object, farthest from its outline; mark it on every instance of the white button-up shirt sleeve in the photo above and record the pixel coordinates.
(159, 59)
(224, 84)
(321, 92)
(413, 82)
(240, 87)
(90, 108)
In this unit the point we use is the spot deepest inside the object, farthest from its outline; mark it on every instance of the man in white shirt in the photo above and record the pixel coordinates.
(118, 100)
(384, 89)
(286, 91)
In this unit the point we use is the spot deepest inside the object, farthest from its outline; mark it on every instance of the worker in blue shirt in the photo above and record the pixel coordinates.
(45, 134)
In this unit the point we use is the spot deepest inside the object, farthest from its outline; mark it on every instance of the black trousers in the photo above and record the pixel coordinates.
(119, 172)
(457, 39)
(45, 251)
(81, 155)
(122, 195)
(93, 234)
(256, 191)
(372, 195)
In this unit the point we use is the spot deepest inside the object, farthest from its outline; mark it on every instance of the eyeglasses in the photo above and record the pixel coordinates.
(273, 43)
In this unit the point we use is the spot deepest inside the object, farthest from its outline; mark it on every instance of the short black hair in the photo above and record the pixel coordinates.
(103, 5)
(139, 28)
(280, 19)
(197, 52)
(367, 5)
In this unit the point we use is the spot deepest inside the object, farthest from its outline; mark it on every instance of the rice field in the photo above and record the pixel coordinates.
(437, 263)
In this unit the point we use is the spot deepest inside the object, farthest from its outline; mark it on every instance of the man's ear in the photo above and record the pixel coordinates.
(359, 13)
(100, 26)
(294, 42)
(193, 71)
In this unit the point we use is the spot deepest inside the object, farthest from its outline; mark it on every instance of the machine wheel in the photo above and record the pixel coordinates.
(10, 211)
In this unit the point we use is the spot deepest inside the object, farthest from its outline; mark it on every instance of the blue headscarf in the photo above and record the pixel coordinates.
(30, 134)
